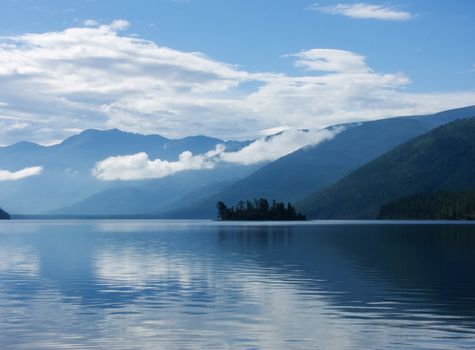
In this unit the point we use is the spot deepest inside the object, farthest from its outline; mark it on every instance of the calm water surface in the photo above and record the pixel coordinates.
(205, 285)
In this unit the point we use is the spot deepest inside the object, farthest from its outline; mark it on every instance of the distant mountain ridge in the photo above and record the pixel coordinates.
(152, 196)
(441, 160)
(67, 187)
(67, 178)
(295, 176)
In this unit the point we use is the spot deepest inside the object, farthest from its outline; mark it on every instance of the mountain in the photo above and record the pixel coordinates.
(293, 177)
(4, 215)
(441, 160)
(67, 178)
(150, 197)
(456, 205)
(66, 185)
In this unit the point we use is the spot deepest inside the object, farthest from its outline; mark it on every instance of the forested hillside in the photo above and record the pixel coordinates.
(441, 160)
(308, 170)
(459, 205)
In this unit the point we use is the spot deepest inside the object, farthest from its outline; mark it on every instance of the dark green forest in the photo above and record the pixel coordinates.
(459, 205)
(260, 209)
(4, 215)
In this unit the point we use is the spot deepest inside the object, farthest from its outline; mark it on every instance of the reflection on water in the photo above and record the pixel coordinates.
(187, 285)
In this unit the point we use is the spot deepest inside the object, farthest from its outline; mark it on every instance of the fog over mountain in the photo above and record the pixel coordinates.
(150, 171)
(66, 168)
(293, 177)
(112, 172)
(187, 179)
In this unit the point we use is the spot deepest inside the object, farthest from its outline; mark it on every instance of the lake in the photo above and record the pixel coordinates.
(210, 285)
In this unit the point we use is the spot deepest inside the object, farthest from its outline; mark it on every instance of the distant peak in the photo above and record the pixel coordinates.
(200, 137)
(99, 131)
(25, 145)
(93, 133)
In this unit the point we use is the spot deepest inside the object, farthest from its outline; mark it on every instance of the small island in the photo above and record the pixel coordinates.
(4, 215)
(260, 209)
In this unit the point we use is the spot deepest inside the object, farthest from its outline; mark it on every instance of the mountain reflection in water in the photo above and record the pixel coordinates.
(198, 284)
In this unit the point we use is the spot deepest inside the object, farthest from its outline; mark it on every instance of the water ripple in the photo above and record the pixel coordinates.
(201, 285)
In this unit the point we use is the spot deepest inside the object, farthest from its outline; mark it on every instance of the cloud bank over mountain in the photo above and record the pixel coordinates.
(6, 175)
(140, 167)
(271, 148)
(97, 76)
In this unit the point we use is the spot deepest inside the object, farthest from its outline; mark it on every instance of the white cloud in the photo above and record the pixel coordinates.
(139, 166)
(365, 11)
(91, 23)
(274, 147)
(119, 24)
(95, 77)
(345, 90)
(6, 175)
(273, 131)
(329, 60)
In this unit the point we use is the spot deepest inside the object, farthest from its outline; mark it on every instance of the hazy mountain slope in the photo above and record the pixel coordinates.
(4, 215)
(149, 197)
(307, 170)
(441, 160)
(67, 179)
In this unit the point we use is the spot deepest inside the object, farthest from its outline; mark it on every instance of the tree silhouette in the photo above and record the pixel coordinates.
(259, 209)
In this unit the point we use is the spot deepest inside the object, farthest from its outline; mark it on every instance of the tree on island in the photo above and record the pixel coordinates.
(260, 209)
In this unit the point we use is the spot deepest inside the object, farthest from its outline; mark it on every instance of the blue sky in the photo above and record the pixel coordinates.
(418, 57)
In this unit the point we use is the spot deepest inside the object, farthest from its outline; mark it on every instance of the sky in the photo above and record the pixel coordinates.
(232, 69)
